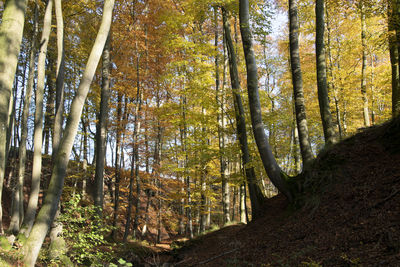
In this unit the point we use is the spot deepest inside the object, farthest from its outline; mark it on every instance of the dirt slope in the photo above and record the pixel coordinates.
(351, 215)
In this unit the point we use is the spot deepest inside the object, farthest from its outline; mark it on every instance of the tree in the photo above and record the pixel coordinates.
(50, 205)
(326, 116)
(58, 120)
(256, 195)
(38, 131)
(271, 167)
(101, 130)
(18, 211)
(297, 80)
(361, 7)
(11, 30)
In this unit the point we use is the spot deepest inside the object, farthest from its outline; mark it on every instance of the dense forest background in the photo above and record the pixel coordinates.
(155, 153)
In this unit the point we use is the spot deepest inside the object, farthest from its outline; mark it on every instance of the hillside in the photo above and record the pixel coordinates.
(350, 216)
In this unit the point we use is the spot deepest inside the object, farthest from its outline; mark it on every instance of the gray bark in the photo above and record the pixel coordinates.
(271, 166)
(49, 113)
(242, 203)
(364, 66)
(256, 195)
(117, 165)
(323, 98)
(17, 218)
(305, 146)
(11, 30)
(58, 120)
(101, 130)
(38, 131)
(50, 205)
(221, 124)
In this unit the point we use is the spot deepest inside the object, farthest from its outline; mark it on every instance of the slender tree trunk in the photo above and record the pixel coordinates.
(117, 164)
(50, 205)
(49, 113)
(373, 115)
(323, 98)
(367, 122)
(11, 30)
(331, 82)
(221, 125)
(135, 164)
(101, 130)
(38, 131)
(17, 218)
(57, 240)
(242, 203)
(273, 170)
(148, 190)
(256, 195)
(189, 226)
(305, 146)
(60, 73)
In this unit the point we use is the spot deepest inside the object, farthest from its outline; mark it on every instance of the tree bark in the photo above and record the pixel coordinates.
(364, 65)
(38, 131)
(17, 219)
(101, 130)
(256, 195)
(331, 83)
(323, 97)
(58, 120)
(273, 170)
(221, 125)
(49, 111)
(117, 165)
(305, 146)
(50, 205)
(11, 30)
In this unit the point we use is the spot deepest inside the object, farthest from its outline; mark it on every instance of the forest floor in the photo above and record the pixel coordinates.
(350, 214)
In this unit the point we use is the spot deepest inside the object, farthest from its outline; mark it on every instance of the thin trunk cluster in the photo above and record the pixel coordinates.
(51, 201)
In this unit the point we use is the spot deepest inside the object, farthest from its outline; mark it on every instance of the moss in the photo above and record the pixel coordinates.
(5, 244)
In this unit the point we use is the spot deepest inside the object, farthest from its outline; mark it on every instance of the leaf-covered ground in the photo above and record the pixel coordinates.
(350, 216)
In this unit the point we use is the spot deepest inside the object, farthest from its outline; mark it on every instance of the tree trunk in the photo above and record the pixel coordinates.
(58, 120)
(256, 195)
(101, 130)
(38, 131)
(17, 218)
(11, 30)
(221, 125)
(117, 164)
(50, 205)
(242, 203)
(364, 66)
(273, 170)
(305, 146)
(189, 226)
(135, 164)
(331, 83)
(49, 111)
(323, 98)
